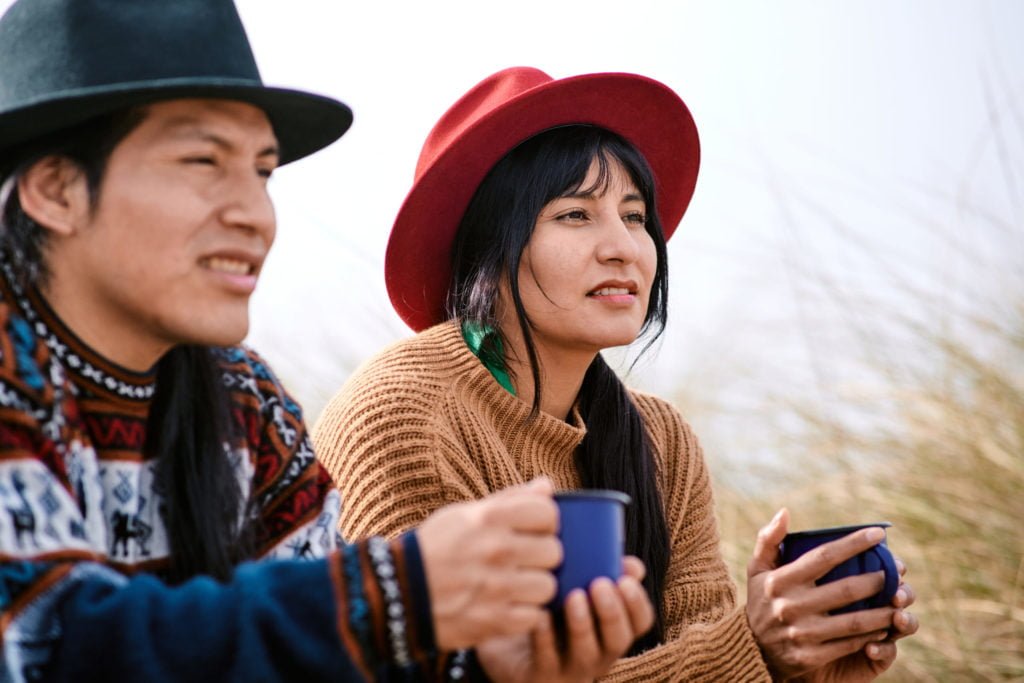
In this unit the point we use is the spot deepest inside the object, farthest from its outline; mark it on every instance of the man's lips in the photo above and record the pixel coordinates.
(230, 266)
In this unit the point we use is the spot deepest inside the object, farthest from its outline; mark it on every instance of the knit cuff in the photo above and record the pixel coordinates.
(383, 606)
(462, 666)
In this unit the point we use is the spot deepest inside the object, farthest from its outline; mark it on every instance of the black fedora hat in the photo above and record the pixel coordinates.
(63, 62)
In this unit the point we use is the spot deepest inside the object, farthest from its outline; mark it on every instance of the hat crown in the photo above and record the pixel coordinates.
(491, 93)
(50, 48)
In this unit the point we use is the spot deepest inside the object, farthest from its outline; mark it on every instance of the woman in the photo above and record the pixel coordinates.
(162, 516)
(532, 239)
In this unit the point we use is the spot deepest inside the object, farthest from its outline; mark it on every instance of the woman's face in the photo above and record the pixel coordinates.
(585, 275)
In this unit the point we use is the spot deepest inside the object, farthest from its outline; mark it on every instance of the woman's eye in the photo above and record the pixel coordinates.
(203, 161)
(636, 218)
(264, 173)
(574, 215)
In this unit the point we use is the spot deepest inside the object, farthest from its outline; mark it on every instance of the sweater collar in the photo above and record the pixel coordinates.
(89, 370)
(510, 415)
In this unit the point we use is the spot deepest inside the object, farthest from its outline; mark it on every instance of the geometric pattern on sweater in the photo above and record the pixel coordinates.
(75, 483)
(424, 424)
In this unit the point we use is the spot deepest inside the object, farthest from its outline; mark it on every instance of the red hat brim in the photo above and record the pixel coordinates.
(648, 114)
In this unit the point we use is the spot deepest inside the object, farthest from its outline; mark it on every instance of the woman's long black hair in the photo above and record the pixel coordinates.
(616, 452)
(189, 425)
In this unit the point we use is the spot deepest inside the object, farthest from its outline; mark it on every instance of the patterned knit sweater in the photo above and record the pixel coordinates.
(425, 424)
(83, 542)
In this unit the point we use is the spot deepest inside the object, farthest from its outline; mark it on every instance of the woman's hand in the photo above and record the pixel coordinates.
(594, 639)
(788, 613)
(488, 564)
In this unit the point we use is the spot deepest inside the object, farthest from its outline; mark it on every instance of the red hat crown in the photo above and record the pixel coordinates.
(492, 93)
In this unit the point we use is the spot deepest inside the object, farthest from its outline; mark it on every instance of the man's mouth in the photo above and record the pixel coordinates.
(229, 265)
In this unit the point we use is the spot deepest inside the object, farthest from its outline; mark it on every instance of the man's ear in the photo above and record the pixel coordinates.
(54, 192)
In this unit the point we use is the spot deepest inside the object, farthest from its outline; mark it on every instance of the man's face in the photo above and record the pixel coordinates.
(173, 247)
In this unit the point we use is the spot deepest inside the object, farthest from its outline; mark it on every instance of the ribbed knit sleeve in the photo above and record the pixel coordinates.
(707, 635)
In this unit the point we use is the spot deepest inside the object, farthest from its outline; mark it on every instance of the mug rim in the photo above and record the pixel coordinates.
(845, 529)
(592, 494)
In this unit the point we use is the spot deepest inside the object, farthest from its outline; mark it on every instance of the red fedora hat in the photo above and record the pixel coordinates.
(489, 121)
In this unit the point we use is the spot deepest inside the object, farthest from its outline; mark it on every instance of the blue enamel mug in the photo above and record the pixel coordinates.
(592, 531)
(877, 558)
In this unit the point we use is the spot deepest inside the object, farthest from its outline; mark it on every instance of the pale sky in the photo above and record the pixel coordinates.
(884, 116)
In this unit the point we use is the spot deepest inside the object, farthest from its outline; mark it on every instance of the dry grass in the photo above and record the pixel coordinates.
(923, 425)
(947, 468)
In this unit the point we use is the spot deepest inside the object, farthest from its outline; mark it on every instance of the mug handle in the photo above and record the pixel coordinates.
(892, 575)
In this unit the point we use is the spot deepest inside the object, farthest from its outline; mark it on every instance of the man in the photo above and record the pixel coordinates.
(144, 456)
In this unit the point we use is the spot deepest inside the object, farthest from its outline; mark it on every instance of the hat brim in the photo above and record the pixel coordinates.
(645, 112)
(303, 122)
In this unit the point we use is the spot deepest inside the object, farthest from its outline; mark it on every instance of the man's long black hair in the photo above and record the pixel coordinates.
(616, 452)
(190, 425)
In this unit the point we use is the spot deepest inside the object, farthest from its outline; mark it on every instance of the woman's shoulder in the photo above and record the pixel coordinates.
(666, 426)
(427, 360)
(415, 373)
(659, 414)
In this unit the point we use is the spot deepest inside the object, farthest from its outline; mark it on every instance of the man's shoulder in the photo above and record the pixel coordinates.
(25, 360)
(249, 378)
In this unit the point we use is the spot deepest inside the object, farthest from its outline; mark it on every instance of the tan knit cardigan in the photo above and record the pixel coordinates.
(425, 424)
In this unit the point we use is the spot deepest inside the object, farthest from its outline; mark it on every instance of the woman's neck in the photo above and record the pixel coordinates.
(561, 374)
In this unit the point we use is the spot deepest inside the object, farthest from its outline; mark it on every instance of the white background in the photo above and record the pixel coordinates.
(823, 123)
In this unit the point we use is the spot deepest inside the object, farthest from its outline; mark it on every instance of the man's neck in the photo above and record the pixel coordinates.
(104, 337)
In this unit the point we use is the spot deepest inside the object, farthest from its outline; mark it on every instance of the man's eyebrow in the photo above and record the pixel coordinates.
(190, 128)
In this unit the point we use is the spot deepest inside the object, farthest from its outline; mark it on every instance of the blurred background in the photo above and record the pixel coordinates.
(846, 326)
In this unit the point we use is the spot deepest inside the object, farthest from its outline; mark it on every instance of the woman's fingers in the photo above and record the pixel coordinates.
(612, 618)
(814, 656)
(638, 606)
(839, 626)
(583, 647)
(905, 624)
(634, 566)
(882, 655)
(904, 597)
(766, 548)
(545, 648)
(815, 563)
(836, 594)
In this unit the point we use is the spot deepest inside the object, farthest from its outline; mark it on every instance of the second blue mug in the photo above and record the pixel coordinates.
(877, 558)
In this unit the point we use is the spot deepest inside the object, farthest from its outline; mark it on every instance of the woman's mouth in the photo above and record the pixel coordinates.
(610, 291)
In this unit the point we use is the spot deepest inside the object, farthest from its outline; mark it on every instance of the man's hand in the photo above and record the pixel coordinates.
(488, 564)
(595, 638)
